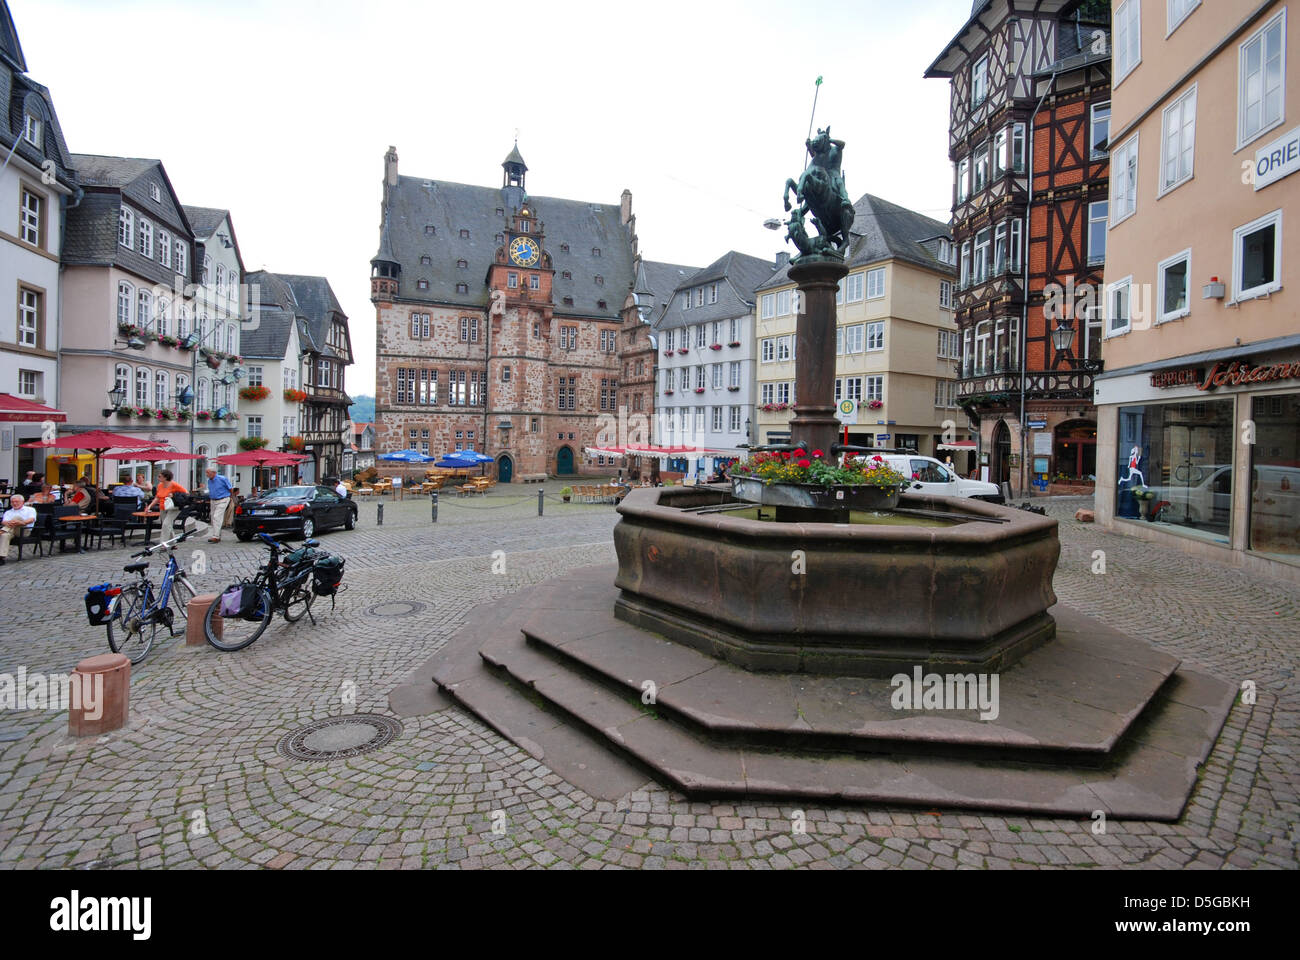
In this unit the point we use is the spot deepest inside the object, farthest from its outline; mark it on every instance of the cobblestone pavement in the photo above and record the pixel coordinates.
(195, 780)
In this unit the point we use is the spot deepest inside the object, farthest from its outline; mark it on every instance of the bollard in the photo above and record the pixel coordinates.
(540, 494)
(103, 699)
(195, 613)
(433, 499)
(379, 522)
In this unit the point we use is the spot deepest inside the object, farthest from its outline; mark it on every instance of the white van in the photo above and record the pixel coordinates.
(936, 479)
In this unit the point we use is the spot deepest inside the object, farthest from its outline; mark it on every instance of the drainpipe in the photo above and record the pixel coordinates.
(1024, 253)
(65, 205)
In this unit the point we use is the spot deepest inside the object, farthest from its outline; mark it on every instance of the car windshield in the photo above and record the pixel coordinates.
(289, 493)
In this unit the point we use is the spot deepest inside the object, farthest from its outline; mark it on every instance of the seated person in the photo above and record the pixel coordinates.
(81, 497)
(18, 517)
(128, 489)
(44, 495)
(32, 485)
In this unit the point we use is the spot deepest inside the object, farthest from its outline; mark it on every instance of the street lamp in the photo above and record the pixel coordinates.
(116, 397)
(1063, 339)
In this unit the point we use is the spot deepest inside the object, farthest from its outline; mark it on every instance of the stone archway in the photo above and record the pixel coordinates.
(1000, 467)
(505, 468)
(564, 461)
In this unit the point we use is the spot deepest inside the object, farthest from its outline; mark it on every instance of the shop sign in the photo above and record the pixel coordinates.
(1228, 374)
(1278, 159)
(1185, 377)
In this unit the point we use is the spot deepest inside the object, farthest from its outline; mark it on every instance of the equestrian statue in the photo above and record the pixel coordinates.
(821, 192)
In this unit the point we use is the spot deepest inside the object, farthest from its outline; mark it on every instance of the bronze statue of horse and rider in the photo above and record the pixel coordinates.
(821, 192)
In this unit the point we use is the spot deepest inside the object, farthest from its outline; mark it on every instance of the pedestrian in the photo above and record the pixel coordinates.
(218, 500)
(341, 490)
(164, 501)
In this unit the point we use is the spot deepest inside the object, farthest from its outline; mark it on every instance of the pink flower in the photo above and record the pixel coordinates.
(818, 453)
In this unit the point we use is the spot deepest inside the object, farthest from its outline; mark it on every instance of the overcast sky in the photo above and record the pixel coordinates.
(282, 111)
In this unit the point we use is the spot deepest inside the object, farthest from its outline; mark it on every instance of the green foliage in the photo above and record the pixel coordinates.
(362, 409)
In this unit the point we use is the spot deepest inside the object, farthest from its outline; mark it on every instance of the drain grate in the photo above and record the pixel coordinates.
(396, 608)
(338, 738)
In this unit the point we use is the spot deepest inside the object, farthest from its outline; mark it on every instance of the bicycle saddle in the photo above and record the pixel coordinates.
(311, 543)
(135, 567)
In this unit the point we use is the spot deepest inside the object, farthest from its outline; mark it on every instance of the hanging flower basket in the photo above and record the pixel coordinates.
(715, 346)
(212, 361)
(252, 443)
(129, 330)
(254, 393)
(296, 444)
(203, 415)
(699, 389)
(295, 396)
(875, 405)
(167, 341)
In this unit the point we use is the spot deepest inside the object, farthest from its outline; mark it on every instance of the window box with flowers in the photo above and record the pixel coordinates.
(668, 393)
(167, 341)
(699, 389)
(203, 415)
(144, 413)
(183, 415)
(770, 407)
(296, 444)
(683, 350)
(252, 443)
(715, 346)
(126, 413)
(734, 343)
(295, 396)
(800, 478)
(129, 330)
(875, 404)
(733, 389)
(254, 393)
(164, 414)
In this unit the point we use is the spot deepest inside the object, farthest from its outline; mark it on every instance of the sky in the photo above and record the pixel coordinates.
(281, 112)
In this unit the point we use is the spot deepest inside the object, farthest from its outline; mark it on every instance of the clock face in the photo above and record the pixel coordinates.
(524, 252)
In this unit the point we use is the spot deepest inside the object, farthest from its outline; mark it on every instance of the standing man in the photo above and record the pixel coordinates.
(218, 500)
(18, 517)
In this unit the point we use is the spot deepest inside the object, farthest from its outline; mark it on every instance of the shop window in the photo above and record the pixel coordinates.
(1275, 478)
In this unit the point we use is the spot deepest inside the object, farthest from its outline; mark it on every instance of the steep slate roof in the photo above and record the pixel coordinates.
(885, 231)
(737, 276)
(276, 315)
(10, 49)
(19, 95)
(955, 53)
(309, 300)
(205, 220)
(451, 207)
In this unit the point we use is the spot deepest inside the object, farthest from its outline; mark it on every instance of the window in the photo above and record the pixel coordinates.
(464, 234)
(155, 193)
(670, 379)
(165, 248)
(766, 392)
(122, 380)
(595, 251)
(783, 351)
(699, 377)
(963, 179)
(854, 338)
(965, 265)
(146, 238)
(505, 373)
(426, 261)
(848, 388)
(783, 393)
(669, 339)
(949, 345)
(608, 341)
(221, 279)
(734, 330)
(982, 254)
(854, 287)
(1123, 179)
(733, 420)
(713, 297)
(717, 376)
(783, 303)
(29, 383)
(456, 391)
(254, 427)
(875, 388)
(876, 283)
(32, 130)
(1099, 136)
(254, 376)
(733, 373)
(767, 309)
(469, 329)
(180, 256)
(430, 230)
(979, 81)
(1000, 248)
(981, 166)
(767, 350)
(524, 226)
(1127, 42)
(876, 336)
(512, 281)
(143, 309)
(568, 392)
(1000, 156)
(600, 281)
(1257, 257)
(1097, 232)
(160, 389)
(1119, 307)
(1018, 148)
(1171, 277)
(142, 387)
(419, 326)
(534, 282)
(29, 317)
(29, 217)
(1178, 144)
(701, 335)
(1261, 84)
(568, 338)
(164, 309)
(126, 227)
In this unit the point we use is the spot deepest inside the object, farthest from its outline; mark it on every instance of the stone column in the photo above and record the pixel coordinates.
(814, 422)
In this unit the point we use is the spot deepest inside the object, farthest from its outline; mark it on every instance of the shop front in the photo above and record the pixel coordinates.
(1205, 450)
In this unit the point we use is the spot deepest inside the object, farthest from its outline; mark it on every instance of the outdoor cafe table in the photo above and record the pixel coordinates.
(149, 518)
(78, 520)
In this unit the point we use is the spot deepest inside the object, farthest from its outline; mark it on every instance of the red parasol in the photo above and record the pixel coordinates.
(262, 458)
(93, 441)
(152, 455)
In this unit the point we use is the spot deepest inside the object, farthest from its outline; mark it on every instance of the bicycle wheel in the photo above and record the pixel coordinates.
(299, 603)
(235, 633)
(130, 632)
(182, 593)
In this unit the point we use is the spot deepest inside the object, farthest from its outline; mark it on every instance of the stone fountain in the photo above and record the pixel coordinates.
(749, 646)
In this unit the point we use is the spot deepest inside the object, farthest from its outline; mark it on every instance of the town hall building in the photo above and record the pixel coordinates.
(497, 319)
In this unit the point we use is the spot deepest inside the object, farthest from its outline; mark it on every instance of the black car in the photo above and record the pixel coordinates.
(299, 511)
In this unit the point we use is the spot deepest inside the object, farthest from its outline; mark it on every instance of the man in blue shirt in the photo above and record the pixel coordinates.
(218, 500)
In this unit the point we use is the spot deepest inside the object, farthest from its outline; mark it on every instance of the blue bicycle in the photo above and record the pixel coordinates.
(138, 610)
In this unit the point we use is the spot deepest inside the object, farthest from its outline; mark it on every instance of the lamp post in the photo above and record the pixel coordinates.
(192, 342)
(1063, 340)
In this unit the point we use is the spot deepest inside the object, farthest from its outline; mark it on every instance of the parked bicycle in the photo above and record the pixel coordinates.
(289, 584)
(132, 613)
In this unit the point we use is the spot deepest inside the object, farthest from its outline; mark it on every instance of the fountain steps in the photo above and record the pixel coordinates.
(1118, 725)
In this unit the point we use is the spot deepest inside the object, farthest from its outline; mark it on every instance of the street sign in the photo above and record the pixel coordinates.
(1036, 424)
(847, 411)
(882, 437)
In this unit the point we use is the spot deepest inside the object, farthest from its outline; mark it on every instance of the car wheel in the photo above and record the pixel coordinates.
(243, 537)
(349, 520)
(308, 528)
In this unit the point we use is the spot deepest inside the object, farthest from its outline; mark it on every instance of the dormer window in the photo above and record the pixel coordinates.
(155, 193)
(32, 130)
(600, 281)
(422, 284)
(523, 226)
(564, 248)
(601, 304)
(464, 234)
(595, 251)
(462, 264)
(568, 301)
(501, 238)
(566, 275)
(460, 287)
(430, 230)
(500, 212)
(426, 261)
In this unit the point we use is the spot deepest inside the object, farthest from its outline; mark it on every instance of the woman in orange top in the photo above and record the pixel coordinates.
(163, 501)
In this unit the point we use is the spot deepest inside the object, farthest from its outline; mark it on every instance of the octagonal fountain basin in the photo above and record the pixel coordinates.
(937, 582)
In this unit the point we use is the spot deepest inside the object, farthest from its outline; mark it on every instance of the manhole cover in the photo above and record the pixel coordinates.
(339, 737)
(398, 608)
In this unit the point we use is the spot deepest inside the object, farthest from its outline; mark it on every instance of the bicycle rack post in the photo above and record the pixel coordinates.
(379, 522)
(433, 498)
(540, 494)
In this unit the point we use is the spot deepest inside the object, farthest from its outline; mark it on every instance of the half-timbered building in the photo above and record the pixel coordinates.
(1027, 138)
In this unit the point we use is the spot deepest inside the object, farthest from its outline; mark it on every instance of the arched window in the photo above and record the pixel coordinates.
(203, 400)
(122, 380)
(160, 389)
(182, 322)
(231, 346)
(142, 386)
(143, 309)
(182, 381)
(164, 321)
(221, 280)
(201, 464)
(125, 294)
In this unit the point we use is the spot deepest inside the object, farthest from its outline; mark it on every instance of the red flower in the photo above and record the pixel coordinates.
(818, 453)
(805, 464)
(800, 452)
(785, 456)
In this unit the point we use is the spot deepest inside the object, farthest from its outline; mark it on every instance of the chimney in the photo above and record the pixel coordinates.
(625, 207)
(782, 258)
